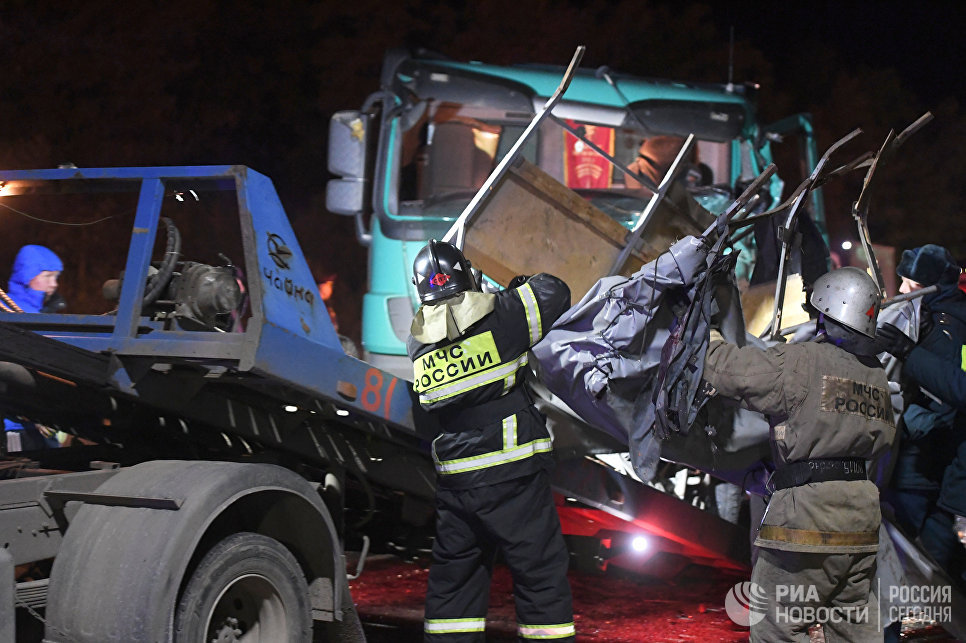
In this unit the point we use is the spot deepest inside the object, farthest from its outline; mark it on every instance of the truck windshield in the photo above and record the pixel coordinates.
(447, 158)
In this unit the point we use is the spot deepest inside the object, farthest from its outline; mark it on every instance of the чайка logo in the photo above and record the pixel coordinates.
(746, 603)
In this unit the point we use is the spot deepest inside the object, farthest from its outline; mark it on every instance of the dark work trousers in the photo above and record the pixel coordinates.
(953, 495)
(516, 517)
(919, 516)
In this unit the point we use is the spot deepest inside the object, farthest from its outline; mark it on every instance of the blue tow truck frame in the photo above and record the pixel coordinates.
(218, 410)
(289, 336)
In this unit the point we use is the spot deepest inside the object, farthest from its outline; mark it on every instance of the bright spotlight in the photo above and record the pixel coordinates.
(291, 408)
(846, 245)
(639, 543)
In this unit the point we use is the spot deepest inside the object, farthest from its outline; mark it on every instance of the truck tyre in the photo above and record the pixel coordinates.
(118, 561)
(248, 587)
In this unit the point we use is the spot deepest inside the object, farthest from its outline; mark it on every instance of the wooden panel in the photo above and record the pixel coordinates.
(758, 305)
(531, 223)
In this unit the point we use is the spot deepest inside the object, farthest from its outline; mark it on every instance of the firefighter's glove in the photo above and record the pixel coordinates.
(517, 281)
(893, 341)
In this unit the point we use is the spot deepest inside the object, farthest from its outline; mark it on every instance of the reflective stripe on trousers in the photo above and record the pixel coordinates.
(453, 625)
(560, 631)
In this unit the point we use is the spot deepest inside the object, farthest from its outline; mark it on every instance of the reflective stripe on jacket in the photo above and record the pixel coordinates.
(461, 379)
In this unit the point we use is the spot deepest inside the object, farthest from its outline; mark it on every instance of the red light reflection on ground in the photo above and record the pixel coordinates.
(606, 608)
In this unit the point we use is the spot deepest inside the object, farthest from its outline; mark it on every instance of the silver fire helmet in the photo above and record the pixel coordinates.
(849, 296)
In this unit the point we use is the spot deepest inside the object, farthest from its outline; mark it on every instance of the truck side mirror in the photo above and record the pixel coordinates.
(347, 159)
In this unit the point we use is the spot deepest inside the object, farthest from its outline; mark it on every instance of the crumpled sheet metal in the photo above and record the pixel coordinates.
(599, 355)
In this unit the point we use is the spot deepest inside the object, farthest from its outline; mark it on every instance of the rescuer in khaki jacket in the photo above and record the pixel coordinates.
(829, 408)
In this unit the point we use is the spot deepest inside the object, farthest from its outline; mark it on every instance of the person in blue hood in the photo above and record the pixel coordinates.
(33, 282)
(929, 481)
(33, 287)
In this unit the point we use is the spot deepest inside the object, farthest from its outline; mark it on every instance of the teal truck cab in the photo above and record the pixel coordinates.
(411, 159)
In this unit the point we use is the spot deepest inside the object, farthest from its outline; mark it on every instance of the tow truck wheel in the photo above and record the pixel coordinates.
(248, 588)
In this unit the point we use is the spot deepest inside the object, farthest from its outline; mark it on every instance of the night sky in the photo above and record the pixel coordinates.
(921, 41)
(99, 83)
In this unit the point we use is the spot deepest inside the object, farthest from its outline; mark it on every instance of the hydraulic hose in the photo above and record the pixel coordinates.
(172, 252)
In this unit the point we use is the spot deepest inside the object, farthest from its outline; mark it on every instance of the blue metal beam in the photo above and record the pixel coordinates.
(289, 337)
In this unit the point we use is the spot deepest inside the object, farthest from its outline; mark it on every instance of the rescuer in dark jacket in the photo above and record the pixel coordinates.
(469, 352)
(830, 413)
(930, 475)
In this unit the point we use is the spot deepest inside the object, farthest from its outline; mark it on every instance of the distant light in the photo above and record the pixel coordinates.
(639, 543)
(846, 245)
(290, 408)
(341, 412)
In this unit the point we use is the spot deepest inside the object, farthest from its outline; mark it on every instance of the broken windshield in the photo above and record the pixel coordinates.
(448, 155)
